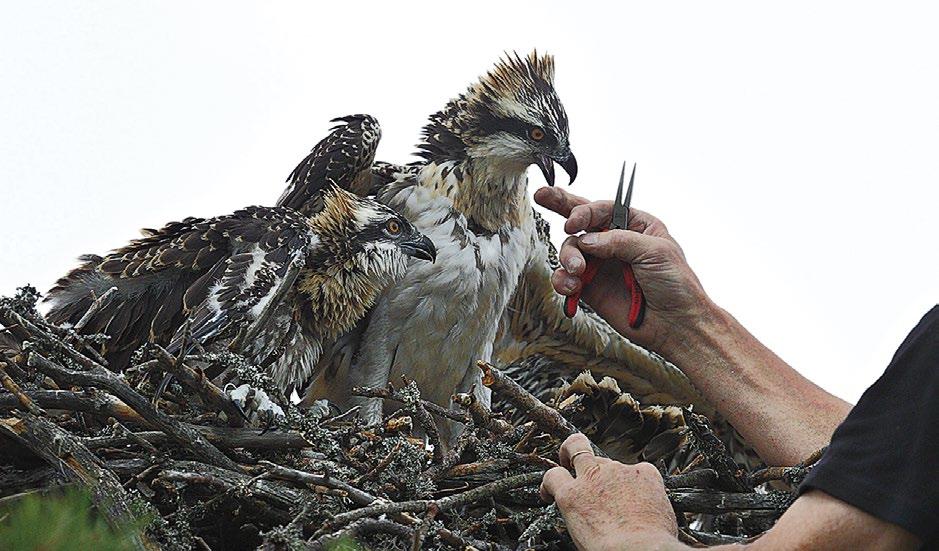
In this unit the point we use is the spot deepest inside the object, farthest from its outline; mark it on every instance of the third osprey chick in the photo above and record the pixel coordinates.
(317, 274)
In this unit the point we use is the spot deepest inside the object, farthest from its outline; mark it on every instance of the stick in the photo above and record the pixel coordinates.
(93, 309)
(63, 451)
(548, 418)
(715, 503)
(790, 475)
(102, 378)
(452, 457)
(197, 381)
(358, 496)
(98, 403)
(444, 504)
(280, 495)
(357, 530)
(220, 436)
(460, 541)
(481, 415)
(700, 478)
(382, 465)
(424, 526)
(730, 475)
(412, 396)
(26, 329)
(392, 394)
(15, 390)
(105, 405)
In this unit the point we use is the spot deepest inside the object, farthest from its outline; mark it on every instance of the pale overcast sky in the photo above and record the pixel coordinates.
(792, 148)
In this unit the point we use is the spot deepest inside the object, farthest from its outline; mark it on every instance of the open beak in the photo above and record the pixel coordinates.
(421, 247)
(546, 164)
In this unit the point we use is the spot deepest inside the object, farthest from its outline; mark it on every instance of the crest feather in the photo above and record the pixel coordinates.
(516, 88)
(513, 73)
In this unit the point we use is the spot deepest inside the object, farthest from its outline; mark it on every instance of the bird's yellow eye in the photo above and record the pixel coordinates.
(393, 226)
(536, 134)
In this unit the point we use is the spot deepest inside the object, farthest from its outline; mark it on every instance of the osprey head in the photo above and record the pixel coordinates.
(374, 233)
(512, 114)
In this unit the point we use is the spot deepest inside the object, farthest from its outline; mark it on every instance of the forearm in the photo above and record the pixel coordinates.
(815, 521)
(778, 411)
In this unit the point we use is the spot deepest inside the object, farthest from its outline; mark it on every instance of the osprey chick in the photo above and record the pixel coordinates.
(314, 276)
(344, 157)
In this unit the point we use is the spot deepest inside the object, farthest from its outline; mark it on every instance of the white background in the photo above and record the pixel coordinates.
(791, 149)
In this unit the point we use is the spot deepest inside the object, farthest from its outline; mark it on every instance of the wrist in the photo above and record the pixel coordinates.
(688, 336)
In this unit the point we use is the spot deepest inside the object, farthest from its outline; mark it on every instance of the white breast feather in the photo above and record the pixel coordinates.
(441, 317)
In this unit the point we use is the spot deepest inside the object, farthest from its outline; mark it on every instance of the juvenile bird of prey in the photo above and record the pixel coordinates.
(314, 276)
(489, 292)
(344, 157)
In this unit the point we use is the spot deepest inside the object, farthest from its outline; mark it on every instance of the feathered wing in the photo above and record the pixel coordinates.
(343, 158)
(155, 277)
(244, 297)
(534, 324)
(211, 272)
(620, 425)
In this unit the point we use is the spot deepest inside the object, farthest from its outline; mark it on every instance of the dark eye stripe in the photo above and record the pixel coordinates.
(491, 124)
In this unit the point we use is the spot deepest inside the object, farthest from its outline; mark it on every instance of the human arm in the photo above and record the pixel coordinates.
(610, 506)
(782, 414)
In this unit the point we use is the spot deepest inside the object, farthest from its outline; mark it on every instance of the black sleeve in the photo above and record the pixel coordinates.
(884, 458)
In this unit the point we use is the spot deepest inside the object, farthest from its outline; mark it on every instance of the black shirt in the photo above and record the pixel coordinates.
(884, 458)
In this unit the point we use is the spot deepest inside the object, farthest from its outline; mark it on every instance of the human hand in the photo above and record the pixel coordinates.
(674, 297)
(609, 505)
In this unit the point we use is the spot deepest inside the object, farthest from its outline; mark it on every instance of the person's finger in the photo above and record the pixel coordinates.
(552, 481)
(571, 258)
(589, 216)
(558, 200)
(622, 244)
(577, 453)
(564, 283)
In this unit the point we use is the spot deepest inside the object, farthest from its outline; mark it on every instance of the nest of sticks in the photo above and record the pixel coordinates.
(188, 473)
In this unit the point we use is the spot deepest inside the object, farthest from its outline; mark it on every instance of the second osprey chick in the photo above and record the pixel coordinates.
(290, 280)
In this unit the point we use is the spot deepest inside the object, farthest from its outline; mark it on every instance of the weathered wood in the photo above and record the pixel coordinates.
(357, 530)
(549, 419)
(105, 405)
(730, 475)
(64, 451)
(10, 385)
(443, 504)
(100, 377)
(279, 495)
(86, 401)
(301, 477)
(196, 380)
(394, 395)
(716, 502)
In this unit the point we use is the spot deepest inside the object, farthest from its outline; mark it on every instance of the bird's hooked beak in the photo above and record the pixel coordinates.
(546, 164)
(419, 246)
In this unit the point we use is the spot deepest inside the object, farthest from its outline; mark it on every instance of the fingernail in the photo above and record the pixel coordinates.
(569, 284)
(589, 239)
(574, 264)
